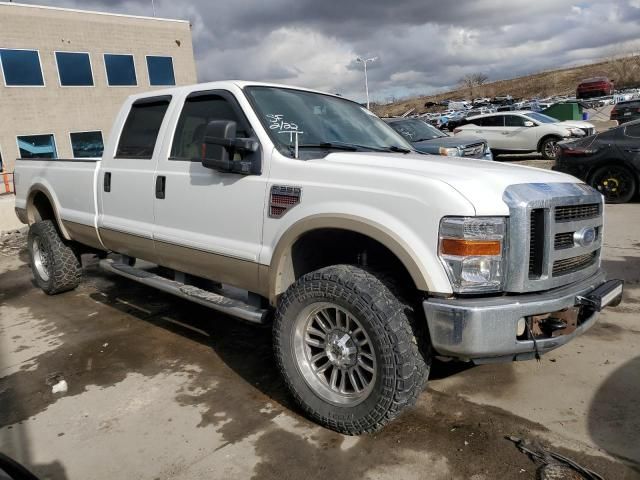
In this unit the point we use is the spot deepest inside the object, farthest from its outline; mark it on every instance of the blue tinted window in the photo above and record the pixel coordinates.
(21, 67)
(86, 144)
(160, 70)
(37, 146)
(120, 69)
(74, 69)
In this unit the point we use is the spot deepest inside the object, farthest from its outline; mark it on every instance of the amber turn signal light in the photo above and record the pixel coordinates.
(468, 248)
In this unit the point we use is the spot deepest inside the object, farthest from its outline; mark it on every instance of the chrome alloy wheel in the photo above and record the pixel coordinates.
(334, 354)
(41, 258)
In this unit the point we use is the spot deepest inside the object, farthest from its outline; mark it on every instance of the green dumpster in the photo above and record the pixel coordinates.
(564, 111)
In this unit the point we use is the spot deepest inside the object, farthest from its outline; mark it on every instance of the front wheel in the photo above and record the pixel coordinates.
(54, 264)
(549, 148)
(616, 183)
(347, 348)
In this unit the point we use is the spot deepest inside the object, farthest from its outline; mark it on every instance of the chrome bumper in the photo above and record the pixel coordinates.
(484, 329)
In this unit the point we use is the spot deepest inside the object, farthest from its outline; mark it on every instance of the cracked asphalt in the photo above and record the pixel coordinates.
(159, 388)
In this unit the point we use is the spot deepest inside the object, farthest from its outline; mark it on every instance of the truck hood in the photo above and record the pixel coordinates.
(482, 183)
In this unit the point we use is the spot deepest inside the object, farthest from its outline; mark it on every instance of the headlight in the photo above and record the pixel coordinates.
(450, 152)
(472, 252)
(576, 132)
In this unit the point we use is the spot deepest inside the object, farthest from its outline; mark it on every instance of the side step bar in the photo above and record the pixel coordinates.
(233, 307)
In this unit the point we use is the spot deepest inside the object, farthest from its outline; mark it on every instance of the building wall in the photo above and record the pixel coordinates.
(60, 110)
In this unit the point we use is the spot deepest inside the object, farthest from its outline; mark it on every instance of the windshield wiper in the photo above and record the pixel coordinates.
(329, 145)
(395, 148)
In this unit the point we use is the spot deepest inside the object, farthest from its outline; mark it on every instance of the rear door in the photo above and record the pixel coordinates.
(490, 128)
(126, 179)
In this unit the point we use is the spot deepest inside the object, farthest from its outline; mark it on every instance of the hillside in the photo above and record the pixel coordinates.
(625, 71)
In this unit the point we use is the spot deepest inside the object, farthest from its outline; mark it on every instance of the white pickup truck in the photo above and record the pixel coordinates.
(285, 205)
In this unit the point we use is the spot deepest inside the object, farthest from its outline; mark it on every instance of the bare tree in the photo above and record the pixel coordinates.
(472, 80)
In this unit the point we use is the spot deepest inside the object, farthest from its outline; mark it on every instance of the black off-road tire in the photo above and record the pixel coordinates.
(63, 270)
(401, 346)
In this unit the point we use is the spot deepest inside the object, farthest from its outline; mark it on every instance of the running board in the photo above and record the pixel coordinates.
(233, 307)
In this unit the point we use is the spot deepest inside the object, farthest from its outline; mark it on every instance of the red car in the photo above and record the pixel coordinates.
(594, 87)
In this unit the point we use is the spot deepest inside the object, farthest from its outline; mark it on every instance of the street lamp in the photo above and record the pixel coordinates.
(364, 62)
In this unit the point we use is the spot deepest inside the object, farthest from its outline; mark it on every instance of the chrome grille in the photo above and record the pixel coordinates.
(543, 219)
(476, 150)
(577, 212)
(563, 240)
(573, 264)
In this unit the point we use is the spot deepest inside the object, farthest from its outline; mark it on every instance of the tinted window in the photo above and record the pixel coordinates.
(495, 121)
(160, 70)
(21, 67)
(74, 69)
(513, 121)
(196, 114)
(86, 144)
(120, 69)
(141, 129)
(633, 130)
(37, 146)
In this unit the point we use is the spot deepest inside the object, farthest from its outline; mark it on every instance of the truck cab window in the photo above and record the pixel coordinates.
(140, 131)
(196, 114)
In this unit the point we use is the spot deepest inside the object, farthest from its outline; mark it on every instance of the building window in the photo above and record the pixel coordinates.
(86, 144)
(21, 68)
(74, 69)
(37, 146)
(140, 131)
(160, 70)
(120, 70)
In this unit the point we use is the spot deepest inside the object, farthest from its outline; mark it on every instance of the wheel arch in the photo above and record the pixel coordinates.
(285, 267)
(42, 206)
(546, 137)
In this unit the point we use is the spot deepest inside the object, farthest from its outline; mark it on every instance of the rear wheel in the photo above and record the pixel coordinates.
(616, 183)
(55, 266)
(347, 349)
(549, 148)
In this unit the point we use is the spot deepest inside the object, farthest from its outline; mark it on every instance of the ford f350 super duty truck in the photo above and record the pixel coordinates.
(285, 205)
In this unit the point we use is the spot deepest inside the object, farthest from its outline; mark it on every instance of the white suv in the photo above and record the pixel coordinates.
(523, 131)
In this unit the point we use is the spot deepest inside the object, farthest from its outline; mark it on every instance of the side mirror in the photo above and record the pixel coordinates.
(528, 123)
(220, 145)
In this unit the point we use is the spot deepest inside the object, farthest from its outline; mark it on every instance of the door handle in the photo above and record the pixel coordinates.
(161, 183)
(505, 133)
(107, 181)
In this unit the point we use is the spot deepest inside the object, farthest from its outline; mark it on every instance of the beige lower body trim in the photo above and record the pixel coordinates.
(128, 244)
(232, 271)
(85, 234)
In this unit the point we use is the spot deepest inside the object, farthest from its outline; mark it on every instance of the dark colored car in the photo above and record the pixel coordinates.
(626, 111)
(608, 161)
(594, 87)
(428, 139)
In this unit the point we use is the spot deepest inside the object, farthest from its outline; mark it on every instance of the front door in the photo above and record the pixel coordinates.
(126, 181)
(208, 223)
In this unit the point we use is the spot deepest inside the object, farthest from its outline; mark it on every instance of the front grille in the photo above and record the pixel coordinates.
(570, 213)
(563, 240)
(475, 150)
(536, 242)
(589, 131)
(573, 264)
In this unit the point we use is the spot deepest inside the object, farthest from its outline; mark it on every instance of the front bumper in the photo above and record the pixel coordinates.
(484, 329)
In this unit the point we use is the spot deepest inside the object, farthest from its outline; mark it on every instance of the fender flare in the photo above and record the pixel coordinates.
(40, 188)
(280, 273)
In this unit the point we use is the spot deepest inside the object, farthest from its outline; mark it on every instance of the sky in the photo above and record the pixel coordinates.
(422, 46)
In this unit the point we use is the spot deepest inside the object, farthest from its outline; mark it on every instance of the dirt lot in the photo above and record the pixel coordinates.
(159, 388)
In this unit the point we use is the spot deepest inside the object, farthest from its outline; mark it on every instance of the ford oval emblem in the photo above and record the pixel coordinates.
(585, 236)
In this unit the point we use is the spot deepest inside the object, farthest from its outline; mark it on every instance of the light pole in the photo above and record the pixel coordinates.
(364, 62)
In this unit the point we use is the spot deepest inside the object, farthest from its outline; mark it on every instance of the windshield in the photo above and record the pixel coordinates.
(319, 120)
(541, 117)
(416, 130)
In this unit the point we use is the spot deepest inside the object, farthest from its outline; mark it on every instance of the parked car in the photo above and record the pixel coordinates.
(523, 131)
(428, 139)
(626, 111)
(594, 87)
(608, 161)
(367, 259)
